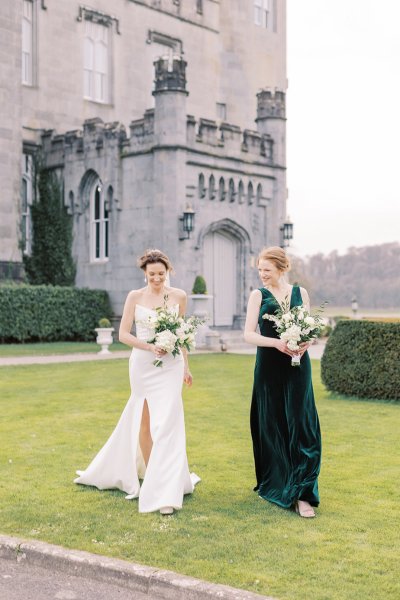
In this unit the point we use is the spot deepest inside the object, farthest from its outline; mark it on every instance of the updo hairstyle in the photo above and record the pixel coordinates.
(152, 256)
(277, 256)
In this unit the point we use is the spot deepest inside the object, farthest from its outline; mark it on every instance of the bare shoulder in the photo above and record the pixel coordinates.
(255, 297)
(134, 296)
(177, 294)
(305, 297)
(256, 294)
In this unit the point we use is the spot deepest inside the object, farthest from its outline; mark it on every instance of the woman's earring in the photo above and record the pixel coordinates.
(145, 279)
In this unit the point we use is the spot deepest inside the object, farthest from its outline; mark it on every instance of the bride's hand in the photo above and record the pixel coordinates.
(159, 352)
(187, 377)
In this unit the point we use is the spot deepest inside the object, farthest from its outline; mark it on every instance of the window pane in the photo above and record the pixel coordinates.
(97, 240)
(106, 239)
(23, 232)
(27, 42)
(96, 61)
(97, 204)
(88, 54)
(24, 196)
(28, 9)
(88, 84)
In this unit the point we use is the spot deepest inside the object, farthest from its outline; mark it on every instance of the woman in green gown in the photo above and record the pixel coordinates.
(284, 420)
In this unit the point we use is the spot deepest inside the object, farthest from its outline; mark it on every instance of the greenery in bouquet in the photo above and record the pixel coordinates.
(170, 332)
(296, 325)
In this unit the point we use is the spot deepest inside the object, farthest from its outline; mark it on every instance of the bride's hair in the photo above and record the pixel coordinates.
(153, 255)
(277, 256)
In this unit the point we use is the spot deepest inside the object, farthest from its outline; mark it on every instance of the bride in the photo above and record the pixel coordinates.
(149, 440)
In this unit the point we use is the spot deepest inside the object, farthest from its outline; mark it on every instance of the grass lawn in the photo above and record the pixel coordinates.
(47, 348)
(54, 418)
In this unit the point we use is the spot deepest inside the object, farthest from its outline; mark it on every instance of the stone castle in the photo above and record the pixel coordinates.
(175, 174)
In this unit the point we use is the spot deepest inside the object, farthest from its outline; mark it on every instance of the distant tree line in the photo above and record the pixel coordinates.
(370, 273)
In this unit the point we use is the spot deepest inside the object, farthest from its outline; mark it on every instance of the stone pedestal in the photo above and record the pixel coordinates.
(200, 305)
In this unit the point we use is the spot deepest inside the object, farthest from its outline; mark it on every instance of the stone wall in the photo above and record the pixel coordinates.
(10, 138)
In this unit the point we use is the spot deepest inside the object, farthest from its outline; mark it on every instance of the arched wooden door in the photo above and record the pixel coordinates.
(220, 273)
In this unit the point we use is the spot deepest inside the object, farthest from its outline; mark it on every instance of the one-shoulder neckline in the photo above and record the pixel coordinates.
(276, 299)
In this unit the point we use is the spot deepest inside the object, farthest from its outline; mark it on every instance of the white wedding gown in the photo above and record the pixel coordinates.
(119, 464)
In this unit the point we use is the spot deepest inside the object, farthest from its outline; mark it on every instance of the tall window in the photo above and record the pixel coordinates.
(221, 111)
(97, 62)
(99, 227)
(26, 203)
(262, 13)
(27, 42)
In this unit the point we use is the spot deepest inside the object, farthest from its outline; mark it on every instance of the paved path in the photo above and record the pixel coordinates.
(33, 570)
(25, 581)
(315, 351)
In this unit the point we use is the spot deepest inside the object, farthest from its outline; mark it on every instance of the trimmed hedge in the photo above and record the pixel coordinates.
(50, 313)
(362, 358)
(382, 319)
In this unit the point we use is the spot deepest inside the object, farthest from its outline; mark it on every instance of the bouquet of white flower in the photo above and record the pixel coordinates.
(296, 325)
(172, 332)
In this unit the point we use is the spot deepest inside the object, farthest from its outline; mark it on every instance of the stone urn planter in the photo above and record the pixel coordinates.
(104, 336)
(201, 307)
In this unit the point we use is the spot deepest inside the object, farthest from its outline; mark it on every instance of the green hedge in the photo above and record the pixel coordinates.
(362, 358)
(50, 313)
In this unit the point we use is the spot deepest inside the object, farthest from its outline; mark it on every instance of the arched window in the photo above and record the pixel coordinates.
(202, 187)
(250, 193)
(221, 189)
(99, 222)
(259, 194)
(110, 198)
(71, 203)
(231, 191)
(26, 202)
(211, 187)
(241, 192)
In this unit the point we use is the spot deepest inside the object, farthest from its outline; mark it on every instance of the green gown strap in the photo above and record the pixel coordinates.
(296, 296)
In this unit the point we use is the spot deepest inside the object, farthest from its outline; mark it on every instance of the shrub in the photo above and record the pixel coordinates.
(361, 358)
(199, 286)
(50, 313)
(104, 322)
(337, 318)
(51, 260)
(326, 331)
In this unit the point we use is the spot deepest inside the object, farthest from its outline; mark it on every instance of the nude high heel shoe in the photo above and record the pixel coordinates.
(306, 513)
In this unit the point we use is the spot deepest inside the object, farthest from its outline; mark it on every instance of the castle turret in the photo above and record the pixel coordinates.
(170, 101)
(271, 120)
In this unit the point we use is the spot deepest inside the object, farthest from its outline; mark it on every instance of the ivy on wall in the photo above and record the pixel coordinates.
(51, 259)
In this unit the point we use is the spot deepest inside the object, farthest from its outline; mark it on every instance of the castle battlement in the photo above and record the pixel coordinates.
(205, 135)
(95, 134)
(271, 104)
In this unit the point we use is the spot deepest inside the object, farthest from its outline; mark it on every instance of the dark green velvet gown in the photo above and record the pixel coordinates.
(284, 420)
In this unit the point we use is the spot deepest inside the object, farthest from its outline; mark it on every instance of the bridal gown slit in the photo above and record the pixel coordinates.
(120, 464)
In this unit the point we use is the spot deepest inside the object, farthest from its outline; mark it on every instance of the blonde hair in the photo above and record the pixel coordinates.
(152, 256)
(277, 256)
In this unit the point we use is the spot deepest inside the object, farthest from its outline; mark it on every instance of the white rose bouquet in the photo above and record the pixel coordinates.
(172, 332)
(296, 325)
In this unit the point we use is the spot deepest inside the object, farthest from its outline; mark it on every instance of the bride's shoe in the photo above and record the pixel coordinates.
(307, 512)
(166, 510)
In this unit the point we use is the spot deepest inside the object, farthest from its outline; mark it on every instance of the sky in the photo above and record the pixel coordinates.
(343, 127)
